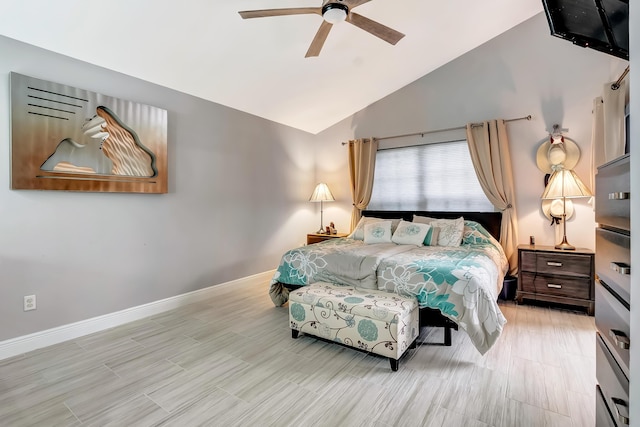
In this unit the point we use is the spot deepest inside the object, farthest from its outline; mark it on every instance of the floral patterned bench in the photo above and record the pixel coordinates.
(376, 321)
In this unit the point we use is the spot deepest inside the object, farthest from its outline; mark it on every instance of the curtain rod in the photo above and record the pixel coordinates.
(616, 85)
(442, 130)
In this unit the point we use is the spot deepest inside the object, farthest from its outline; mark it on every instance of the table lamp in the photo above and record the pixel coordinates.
(565, 184)
(321, 194)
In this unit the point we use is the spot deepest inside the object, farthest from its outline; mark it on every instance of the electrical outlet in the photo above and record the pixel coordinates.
(29, 302)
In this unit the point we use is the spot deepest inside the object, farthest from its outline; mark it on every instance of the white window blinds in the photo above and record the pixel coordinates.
(433, 177)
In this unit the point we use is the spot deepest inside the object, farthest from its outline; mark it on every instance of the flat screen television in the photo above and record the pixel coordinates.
(597, 24)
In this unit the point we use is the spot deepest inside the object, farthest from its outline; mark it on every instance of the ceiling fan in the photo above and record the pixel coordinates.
(332, 12)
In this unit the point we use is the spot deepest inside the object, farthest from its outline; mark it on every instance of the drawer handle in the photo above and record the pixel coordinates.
(554, 264)
(621, 339)
(619, 195)
(551, 285)
(622, 410)
(620, 267)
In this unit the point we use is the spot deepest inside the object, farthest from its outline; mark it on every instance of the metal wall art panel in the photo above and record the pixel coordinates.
(65, 138)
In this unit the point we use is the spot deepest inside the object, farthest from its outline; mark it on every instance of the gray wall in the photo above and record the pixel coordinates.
(523, 71)
(238, 191)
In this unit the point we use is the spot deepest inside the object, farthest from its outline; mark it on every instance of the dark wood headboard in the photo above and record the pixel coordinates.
(489, 220)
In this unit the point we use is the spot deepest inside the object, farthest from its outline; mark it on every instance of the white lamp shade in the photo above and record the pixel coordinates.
(565, 183)
(322, 194)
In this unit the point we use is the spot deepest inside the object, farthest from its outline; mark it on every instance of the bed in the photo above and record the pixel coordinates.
(456, 286)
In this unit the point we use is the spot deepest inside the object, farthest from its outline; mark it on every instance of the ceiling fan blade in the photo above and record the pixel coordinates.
(382, 31)
(246, 14)
(319, 39)
(355, 3)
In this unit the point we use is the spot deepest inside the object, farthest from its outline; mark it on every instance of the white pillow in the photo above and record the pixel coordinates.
(358, 232)
(377, 232)
(410, 233)
(451, 231)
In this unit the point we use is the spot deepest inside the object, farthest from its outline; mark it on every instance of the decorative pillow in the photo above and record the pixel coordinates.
(431, 239)
(475, 233)
(358, 232)
(451, 230)
(410, 233)
(377, 232)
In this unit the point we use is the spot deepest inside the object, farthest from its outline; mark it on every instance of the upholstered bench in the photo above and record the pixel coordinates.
(376, 321)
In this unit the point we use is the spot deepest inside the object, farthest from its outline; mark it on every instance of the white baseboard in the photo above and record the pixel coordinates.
(23, 344)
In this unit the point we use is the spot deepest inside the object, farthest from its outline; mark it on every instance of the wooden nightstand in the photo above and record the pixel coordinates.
(552, 275)
(315, 237)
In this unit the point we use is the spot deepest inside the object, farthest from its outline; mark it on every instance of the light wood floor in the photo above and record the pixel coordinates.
(230, 360)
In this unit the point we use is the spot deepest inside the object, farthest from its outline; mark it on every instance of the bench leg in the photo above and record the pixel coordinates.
(447, 336)
(394, 364)
(294, 333)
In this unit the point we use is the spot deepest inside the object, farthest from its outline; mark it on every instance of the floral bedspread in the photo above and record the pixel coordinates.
(463, 282)
(341, 261)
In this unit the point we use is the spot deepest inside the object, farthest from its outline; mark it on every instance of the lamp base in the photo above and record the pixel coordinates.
(321, 231)
(565, 246)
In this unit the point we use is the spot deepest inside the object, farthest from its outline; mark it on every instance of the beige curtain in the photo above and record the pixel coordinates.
(489, 148)
(362, 163)
(597, 136)
(597, 142)
(613, 120)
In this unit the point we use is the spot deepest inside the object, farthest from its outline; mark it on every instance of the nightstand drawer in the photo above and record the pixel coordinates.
(562, 286)
(528, 261)
(567, 264)
(527, 282)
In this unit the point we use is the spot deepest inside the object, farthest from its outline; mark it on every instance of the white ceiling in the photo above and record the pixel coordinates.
(204, 48)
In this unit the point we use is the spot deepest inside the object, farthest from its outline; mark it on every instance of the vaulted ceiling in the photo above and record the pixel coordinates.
(204, 48)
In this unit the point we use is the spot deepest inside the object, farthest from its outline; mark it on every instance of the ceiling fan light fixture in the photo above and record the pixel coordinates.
(334, 13)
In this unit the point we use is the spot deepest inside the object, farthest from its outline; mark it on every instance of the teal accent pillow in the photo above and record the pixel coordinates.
(431, 239)
(451, 230)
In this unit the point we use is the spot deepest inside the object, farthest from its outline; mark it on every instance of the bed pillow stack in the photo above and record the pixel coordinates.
(450, 230)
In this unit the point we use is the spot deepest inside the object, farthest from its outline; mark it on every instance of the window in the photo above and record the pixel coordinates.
(432, 177)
